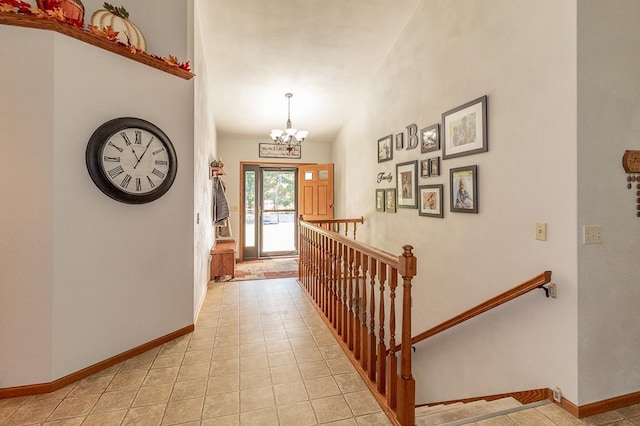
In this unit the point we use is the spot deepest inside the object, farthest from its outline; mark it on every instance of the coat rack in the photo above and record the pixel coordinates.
(216, 168)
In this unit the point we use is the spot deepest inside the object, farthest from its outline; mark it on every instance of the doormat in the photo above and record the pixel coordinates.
(265, 269)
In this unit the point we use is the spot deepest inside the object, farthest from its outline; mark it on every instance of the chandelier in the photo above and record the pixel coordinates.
(290, 136)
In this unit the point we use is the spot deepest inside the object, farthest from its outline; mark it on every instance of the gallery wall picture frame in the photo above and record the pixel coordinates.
(407, 184)
(434, 166)
(399, 141)
(463, 182)
(424, 168)
(380, 201)
(385, 149)
(430, 138)
(464, 129)
(431, 200)
(390, 200)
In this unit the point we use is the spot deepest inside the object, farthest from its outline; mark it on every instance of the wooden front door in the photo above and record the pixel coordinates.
(315, 191)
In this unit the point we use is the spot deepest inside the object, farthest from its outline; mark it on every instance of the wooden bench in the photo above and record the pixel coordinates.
(223, 259)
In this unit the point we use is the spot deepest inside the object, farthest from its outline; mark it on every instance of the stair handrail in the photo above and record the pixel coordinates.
(534, 283)
(334, 224)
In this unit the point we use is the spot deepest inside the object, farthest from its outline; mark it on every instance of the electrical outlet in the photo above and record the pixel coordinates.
(557, 394)
(541, 231)
(593, 234)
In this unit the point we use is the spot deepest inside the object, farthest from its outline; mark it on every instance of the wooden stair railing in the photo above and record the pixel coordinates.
(337, 225)
(536, 282)
(352, 284)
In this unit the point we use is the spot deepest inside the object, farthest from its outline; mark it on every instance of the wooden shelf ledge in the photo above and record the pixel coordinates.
(32, 21)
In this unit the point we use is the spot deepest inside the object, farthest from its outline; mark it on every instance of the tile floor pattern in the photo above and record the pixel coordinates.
(260, 355)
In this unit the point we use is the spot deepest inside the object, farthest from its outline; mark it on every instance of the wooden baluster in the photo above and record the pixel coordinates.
(336, 283)
(363, 314)
(392, 362)
(339, 287)
(350, 325)
(356, 308)
(305, 259)
(315, 269)
(407, 384)
(371, 350)
(345, 293)
(323, 275)
(327, 275)
(355, 227)
(382, 349)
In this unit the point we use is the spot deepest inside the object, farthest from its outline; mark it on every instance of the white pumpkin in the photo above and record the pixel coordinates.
(117, 19)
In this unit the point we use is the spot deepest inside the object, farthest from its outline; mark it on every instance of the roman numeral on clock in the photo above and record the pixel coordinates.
(126, 138)
(161, 162)
(126, 181)
(138, 185)
(116, 147)
(115, 172)
(158, 173)
(138, 137)
(158, 151)
(111, 159)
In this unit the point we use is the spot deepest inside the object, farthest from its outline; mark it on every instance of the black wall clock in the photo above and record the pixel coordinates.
(131, 160)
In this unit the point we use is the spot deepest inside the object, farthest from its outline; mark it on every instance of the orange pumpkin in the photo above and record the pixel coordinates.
(118, 19)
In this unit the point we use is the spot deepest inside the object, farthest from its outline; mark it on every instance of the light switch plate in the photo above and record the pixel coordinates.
(593, 234)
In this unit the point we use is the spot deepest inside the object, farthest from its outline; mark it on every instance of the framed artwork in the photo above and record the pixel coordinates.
(465, 129)
(424, 168)
(434, 166)
(430, 138)
(464, 189)
(380, 200)
(431, 200)
(385, 148)
(407, 184)
(399, 141)
(390, 200)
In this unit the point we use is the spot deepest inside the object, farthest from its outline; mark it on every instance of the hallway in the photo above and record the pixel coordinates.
(260, 355)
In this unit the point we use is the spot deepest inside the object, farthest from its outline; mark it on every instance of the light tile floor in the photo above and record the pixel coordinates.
(260, 355)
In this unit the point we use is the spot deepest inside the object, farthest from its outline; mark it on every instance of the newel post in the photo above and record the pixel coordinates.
(406, 383)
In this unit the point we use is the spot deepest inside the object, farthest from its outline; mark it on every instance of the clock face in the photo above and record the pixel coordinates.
(131, 160)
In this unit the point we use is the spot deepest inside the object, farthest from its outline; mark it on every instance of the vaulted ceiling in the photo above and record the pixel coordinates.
(324, 52)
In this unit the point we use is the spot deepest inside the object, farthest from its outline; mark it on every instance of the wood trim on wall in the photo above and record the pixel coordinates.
(32, 21)
(606, 405)
(85, 372)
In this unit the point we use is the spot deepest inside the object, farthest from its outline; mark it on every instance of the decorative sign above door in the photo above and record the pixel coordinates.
(272, 150)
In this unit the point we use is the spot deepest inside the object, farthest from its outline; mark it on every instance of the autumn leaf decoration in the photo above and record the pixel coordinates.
(15, 6)
(24, 8)
(174, 62)
(106, 32)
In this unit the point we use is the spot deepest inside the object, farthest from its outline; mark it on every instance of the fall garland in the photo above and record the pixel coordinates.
(24, 8)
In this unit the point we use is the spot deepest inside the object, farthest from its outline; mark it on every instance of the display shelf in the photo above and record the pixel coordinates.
(32, 21)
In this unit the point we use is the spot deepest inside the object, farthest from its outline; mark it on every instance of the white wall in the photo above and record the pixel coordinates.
(608, 124)
(26, 223)
(234, 150)
(452, 52)
(102, 276)
(205, 148)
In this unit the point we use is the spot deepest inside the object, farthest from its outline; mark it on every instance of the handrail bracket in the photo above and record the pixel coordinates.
(550, 290)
